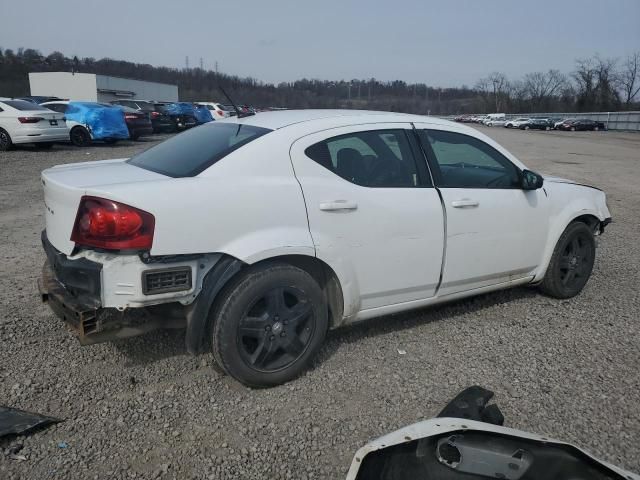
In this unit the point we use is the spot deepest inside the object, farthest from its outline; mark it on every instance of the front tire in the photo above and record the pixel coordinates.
(80, 137)
(270, 324)
(571, 263)
(5, 141)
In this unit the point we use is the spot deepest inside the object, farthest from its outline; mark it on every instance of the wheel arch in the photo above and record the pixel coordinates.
(590, 218)
(228, 269)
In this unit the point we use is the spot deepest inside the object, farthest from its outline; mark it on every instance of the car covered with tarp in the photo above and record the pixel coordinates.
(202, 114)
(89, 121)
(181, 114)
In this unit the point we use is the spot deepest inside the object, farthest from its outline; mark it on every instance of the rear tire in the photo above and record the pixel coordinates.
(571, 263)
(269, 325)
(595, 129)
(573, 129)
(5, 141)
(80, 137)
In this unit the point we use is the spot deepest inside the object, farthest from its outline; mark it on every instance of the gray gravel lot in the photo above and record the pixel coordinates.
(143, 408)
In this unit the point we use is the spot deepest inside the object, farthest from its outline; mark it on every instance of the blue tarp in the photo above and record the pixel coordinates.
(180, 108)
(102, 121)
(203, 115)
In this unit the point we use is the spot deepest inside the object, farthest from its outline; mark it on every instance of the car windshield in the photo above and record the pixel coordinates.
(23, 105)
(193, 151)
(146, 106)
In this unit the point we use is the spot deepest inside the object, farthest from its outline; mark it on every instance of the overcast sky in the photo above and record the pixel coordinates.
(441, 43)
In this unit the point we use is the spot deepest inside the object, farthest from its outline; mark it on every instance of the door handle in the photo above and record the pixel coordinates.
(338, 205)
(464, 202)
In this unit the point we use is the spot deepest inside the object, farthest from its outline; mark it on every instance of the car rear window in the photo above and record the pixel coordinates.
(23, 105)
(195, 150)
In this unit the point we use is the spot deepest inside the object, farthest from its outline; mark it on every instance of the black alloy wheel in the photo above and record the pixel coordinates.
(268, 324)
(80, 137)
(276, 330)
(571, 263)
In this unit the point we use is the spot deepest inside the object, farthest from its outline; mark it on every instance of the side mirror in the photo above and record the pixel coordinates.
(531, 180)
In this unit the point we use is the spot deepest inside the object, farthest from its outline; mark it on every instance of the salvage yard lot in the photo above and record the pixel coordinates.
(143, 408)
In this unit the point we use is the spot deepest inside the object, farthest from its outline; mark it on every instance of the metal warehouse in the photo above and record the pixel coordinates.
(98, 88)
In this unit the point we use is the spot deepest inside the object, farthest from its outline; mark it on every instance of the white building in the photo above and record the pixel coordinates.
(90, 87)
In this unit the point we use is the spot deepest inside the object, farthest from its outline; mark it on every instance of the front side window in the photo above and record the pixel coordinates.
(463, 161)
(195, 150)
(377, 158)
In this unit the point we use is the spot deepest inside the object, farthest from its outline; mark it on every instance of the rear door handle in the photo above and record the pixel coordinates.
(464, 202)
(338, 205)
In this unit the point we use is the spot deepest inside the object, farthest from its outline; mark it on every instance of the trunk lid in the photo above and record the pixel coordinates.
(64, 185)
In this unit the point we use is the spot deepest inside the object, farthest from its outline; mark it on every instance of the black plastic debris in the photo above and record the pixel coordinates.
(19, 422)
(471, 404)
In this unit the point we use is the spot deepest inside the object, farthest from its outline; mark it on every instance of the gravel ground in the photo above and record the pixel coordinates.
(143, 408)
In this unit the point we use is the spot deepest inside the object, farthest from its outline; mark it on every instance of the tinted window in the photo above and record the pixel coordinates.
(145, 106)
(466, 162)
(24, 105)
(195, 150)
(379, 158)
(57, 107)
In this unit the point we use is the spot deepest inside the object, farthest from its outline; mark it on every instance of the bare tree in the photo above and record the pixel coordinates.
(628, 78)
(493, 90)
(540, 87)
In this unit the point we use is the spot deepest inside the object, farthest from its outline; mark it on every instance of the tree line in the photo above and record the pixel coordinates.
(594, 84)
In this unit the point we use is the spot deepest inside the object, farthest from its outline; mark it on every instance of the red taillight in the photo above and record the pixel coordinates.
(112, 225)
(155, 114)
(220, 112)
(130, 116)
(29, 119)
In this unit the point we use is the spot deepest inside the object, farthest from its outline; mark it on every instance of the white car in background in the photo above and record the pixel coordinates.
(516, 122)
(218, 110)
(25, 122)
(259, 234)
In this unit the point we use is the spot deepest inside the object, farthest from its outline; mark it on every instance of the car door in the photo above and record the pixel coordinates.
(496, 231)
(373, 213)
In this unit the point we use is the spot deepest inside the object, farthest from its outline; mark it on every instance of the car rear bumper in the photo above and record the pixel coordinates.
(104, 296)
(36, 135)
(73, 290)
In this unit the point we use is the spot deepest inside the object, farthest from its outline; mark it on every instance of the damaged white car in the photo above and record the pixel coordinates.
(259, 234)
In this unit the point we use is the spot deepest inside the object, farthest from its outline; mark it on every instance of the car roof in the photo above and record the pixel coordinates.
(278, 119)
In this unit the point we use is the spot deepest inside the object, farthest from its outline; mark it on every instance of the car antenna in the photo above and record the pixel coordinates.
(238, 113)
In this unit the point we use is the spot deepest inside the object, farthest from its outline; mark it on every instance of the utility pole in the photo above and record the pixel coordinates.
(358, 90)
(495, 92)
(186, 62)
(349, 90)
(201, 64)
(216, 67)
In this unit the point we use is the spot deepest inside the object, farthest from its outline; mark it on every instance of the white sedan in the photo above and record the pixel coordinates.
(259, 234)
(25, 122)
(516, 122)
(218, 111)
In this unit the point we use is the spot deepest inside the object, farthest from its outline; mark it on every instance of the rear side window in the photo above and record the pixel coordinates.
(23, 105)
(377, 158)
(195, 150)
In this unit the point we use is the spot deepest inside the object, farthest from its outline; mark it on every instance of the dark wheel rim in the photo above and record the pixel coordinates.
(575, 261)
(276, 329)
(4, 140)
(78, 137)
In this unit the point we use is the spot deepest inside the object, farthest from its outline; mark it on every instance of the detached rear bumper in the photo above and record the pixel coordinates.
(72, 288)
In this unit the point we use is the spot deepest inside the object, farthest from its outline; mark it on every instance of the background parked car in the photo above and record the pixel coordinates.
(537, 124)
(202, 114)
(160, 121)
(138, 122)
(496, 122)
(38, 99)
(25, 122)
(581, 124)
(218, 110)
(88, 121)
(516, 122)
(181, 114)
